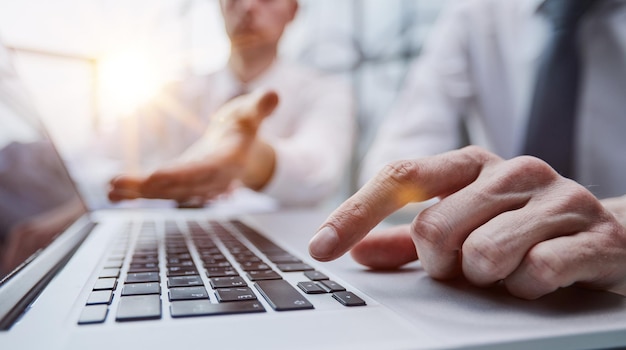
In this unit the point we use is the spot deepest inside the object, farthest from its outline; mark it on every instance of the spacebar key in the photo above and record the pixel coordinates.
(139, 307)
(282, 296)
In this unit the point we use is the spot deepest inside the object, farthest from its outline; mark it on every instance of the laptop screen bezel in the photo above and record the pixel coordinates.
(23, 284)
(22, 288)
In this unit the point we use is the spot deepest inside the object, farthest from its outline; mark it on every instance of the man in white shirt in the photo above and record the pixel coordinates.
(296, 155)
(515, 220)
(480, 66)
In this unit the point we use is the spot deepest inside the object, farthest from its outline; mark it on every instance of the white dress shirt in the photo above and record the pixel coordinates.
(479, 66)
(311, 131)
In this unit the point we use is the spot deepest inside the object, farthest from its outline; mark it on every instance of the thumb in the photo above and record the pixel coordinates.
(265, 102)
(236, 121)
(386, 249)
(248, 111)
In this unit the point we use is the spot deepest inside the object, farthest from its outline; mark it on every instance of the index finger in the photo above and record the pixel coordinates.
(398, 184)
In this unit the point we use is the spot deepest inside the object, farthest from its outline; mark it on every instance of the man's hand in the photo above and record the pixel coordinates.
(515, 221)
(617, 206)
(229, 151)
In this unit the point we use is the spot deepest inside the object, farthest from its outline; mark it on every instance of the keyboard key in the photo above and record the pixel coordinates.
(138, 261)
(227, 282)
(315, 275)
(110, 272)
(141, 277)
(282, 296)
(184, 281)
(182, 263)
(181, 257)
(234, 294)
(283, 259)
(141, 289)
(188, 293)
(145, 257)
(221, 272)
(210, 262)
(139, 307)
(294, 267)
(114, 263)
(331, 286)
(254, 266)
(171, 260)
(311, 288)
(181, 271)
(93, 314)
(220, 264)
(348, 299)
(100, 297)
(243, 258)
(265, 245)
(105, 284)
(176, 250)
(213, 257)
(263, 275)
(142, 269)
(189, 308)
(151, 267)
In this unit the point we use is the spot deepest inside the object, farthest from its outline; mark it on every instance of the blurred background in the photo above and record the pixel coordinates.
(88, 62)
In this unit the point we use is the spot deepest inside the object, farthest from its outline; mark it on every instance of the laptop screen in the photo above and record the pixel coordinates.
(38, 199)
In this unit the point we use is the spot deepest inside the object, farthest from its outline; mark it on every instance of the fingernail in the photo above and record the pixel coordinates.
(323, 243)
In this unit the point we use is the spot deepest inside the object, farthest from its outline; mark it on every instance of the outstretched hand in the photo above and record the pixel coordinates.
(230, 151)
(515, 221)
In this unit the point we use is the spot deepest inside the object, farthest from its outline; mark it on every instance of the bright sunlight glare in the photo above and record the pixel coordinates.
(127, 80)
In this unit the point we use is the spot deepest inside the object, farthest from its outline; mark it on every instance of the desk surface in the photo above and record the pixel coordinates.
(463, 316)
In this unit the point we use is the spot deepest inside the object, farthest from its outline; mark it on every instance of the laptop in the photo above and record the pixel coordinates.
(71, 278)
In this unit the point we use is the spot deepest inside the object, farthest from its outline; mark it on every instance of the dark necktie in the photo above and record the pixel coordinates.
(552, 122)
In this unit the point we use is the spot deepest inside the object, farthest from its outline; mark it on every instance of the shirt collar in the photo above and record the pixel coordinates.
(266, 78)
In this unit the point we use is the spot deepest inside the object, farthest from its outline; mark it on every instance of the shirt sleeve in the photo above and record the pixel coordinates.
(426, 117)
(311, 163)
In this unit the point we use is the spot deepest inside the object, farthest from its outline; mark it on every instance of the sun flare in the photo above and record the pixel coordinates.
(127, 80)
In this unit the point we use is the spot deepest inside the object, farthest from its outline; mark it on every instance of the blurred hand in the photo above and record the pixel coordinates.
(230, 151)
(515, 221)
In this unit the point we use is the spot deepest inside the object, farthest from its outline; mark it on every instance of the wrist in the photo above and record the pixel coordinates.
(260, 166)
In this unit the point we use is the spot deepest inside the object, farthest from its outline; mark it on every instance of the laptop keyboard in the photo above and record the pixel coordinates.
(203, 269)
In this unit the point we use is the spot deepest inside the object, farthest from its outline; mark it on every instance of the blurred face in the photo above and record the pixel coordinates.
(251, 23)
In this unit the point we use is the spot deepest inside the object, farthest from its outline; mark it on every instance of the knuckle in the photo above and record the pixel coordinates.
(545, 268)
(477, 151)
(353, 213)
(527, 170)
(432, 228)
(576, 201)
(401, 172)
(580, 198)
(400, 179)
(479, 154)
(520, 175)
(485, 256)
